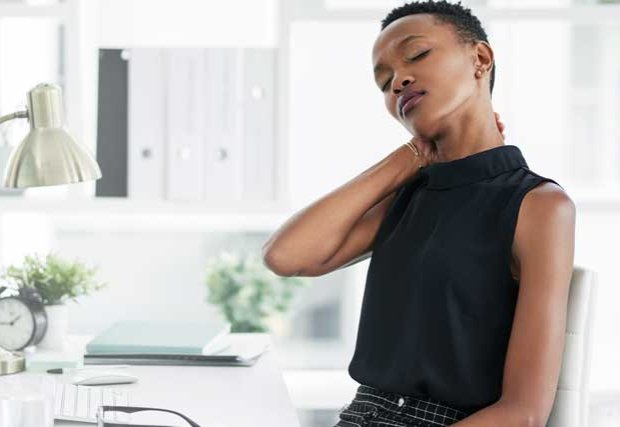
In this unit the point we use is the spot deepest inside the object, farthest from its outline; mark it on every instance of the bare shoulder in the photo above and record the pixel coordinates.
(546, 212)
(548, 198)
(544, 247)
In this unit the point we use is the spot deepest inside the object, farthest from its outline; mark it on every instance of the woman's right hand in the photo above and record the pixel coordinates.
(427, 150)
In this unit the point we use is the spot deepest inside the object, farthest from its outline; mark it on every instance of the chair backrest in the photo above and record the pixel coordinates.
(570, 407)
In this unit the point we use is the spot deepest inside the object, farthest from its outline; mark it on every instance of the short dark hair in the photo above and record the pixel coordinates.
(467, 26)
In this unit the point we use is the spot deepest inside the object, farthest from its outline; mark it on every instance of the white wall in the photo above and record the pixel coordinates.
(163, 23)
(596, 247)
(149, 275)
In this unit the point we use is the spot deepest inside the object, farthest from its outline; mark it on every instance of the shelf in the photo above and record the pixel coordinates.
(119, 214)
(125, 205)
(596, 14)
(25, 10)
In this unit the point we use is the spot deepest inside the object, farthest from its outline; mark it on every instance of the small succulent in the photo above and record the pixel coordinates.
(56, 280)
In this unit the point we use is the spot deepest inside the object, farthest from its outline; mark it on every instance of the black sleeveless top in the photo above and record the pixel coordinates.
(439, 300)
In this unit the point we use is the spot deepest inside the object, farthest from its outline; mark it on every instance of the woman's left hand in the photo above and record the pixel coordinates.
(500, 125)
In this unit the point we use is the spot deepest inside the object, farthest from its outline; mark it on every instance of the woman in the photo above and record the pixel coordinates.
(464, 309)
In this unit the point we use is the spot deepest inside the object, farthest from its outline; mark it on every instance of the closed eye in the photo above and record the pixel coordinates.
(423, 54)
(420, 56)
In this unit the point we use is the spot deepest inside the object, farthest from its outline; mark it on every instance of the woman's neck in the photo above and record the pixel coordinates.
(471, 133)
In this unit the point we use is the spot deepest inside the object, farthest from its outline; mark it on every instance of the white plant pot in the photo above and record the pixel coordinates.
(57, 326)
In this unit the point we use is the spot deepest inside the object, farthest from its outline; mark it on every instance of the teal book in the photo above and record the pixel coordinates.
(160, 337)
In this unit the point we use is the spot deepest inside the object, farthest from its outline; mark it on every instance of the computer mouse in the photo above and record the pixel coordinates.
(103, 377)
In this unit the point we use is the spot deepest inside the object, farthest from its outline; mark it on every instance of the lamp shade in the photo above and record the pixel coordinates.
(48, 155)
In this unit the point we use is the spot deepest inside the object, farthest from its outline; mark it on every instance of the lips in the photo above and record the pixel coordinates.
(408, 96)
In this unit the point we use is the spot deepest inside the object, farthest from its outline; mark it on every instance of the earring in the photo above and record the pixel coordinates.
(478, 73)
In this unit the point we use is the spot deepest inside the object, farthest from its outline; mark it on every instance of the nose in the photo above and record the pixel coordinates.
(404, 82)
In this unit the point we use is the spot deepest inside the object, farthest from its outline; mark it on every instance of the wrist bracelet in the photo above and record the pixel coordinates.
(415, 151)
(413, 148)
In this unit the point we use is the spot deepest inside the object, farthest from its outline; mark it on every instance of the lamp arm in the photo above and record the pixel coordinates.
(15, 115)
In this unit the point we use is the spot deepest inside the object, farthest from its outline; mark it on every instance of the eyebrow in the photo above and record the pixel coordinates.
(400, 43)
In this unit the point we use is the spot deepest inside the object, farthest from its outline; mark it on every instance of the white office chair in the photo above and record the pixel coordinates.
(570, 407)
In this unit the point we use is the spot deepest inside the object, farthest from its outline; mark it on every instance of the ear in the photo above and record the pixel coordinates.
(484, 56)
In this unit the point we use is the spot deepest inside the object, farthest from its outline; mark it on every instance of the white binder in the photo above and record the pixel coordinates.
(146, 124)
(224, 123)
(185, 121)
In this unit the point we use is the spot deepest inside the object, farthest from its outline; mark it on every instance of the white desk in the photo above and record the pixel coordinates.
(216, 396)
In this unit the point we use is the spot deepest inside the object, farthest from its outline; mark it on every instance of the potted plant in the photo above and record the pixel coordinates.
(56, 281)
(250, 296)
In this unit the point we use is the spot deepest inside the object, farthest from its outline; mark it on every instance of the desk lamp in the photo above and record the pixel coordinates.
(48, 155)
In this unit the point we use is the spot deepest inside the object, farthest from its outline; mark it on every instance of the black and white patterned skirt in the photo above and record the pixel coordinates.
(372, 407)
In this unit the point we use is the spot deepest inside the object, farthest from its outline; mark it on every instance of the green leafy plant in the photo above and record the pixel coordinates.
(247, 292)
(55, 279)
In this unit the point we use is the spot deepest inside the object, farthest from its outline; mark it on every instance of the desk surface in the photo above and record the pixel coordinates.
(217, 396)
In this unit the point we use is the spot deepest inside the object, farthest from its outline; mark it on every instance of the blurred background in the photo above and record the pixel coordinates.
(215, 121)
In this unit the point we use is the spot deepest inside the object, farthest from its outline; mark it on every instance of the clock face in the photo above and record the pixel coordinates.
(16, 324)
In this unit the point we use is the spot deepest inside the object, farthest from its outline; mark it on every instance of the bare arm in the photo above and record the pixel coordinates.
(338, 229)
(544, 247)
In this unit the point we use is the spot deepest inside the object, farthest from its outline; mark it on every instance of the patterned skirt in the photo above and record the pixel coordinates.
(373, 407)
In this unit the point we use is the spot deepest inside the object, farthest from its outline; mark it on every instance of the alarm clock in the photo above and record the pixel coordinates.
(23, 321)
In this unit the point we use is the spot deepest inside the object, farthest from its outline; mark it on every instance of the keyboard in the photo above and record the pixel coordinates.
(80, 402)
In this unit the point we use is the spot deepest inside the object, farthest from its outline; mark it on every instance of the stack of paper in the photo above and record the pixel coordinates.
(245, 350)
(169, 343)
(160, 337)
